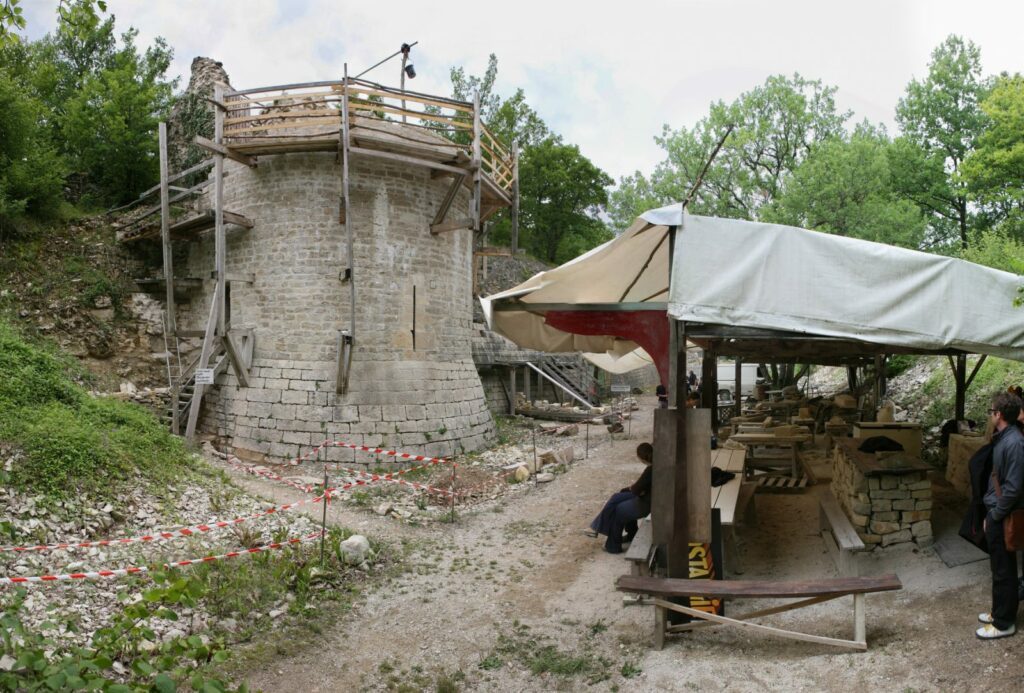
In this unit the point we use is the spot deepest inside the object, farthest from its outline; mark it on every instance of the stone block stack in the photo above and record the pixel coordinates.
(886, 503)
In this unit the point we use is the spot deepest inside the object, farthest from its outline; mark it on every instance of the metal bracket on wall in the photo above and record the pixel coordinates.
(344, 361)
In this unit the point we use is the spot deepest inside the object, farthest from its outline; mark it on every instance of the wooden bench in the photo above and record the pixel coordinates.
(733, 498)
(839, 535)
(807, 592)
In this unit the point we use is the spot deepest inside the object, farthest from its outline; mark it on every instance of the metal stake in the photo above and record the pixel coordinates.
(323, 521)
(451, 488)
(586, 455)
(536, 469)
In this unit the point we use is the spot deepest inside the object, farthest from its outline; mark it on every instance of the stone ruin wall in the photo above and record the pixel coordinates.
(428, 399)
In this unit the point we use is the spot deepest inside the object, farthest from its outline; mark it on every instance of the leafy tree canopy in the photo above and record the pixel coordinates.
(941, 120)
(994, 170)
(777, 124)
(845, 186)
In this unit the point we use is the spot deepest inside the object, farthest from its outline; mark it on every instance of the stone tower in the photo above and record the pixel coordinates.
(414, 198)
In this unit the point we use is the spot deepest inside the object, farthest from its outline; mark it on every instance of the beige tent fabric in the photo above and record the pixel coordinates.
(638, 358)
(605, 274)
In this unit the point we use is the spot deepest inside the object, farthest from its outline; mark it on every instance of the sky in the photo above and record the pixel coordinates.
(605, 75)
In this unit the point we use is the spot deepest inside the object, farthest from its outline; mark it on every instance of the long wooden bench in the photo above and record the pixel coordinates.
(807, 592)
(839, 535)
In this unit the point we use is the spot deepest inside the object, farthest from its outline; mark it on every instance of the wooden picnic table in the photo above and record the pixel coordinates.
(790, 442)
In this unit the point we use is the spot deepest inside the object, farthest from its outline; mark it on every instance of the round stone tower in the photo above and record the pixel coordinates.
(411, 383)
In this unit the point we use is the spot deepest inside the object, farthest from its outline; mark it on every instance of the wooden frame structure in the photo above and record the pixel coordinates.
(806, 592)
(350, 117)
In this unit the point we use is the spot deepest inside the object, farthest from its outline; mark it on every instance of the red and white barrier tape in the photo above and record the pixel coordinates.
(363, 448)
(120, 572)
(371, 477)
(161, 535)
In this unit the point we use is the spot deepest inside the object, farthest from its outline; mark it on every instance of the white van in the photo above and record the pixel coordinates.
(750, 374)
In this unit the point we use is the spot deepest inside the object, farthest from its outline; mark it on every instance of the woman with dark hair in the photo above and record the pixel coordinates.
(623, 509)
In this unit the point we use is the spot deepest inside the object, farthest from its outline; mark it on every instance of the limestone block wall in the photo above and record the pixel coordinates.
(424, 396)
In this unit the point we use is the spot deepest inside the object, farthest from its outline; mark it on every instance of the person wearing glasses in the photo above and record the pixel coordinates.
(1004, 495)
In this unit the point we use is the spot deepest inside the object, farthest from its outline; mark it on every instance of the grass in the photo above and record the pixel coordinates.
(71, 443)
(540, 656)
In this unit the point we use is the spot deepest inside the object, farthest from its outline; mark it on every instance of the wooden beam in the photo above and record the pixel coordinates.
(237, 362)
(477, 172)
(974, 371)
(514, 241)
(204, 362)
(492, 251)
(449, 198)
(170, 324)
(415, 161)
(220, 242)
(453, 225)
(346, 342)
(218, 148)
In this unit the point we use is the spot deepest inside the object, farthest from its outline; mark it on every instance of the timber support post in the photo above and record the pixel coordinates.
(170, 321)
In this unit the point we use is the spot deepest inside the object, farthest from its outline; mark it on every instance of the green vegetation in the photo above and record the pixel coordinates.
(539, 656)
(39, 666)
(994, 376)
(561, 191)
(80, 109)
(71, 443)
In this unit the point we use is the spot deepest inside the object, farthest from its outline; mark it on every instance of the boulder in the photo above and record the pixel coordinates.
(521, 474)
(355, 549)
(545, 477)
(561, 456)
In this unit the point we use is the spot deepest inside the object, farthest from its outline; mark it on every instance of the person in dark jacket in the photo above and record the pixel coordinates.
(1004, 495)
(621, 512)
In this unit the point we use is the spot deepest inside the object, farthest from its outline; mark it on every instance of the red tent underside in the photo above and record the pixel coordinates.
(648, 328)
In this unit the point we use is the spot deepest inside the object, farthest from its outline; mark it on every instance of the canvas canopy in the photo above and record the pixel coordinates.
(769, 281)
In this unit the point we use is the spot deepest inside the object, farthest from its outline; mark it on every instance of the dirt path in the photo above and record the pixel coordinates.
(516, 583)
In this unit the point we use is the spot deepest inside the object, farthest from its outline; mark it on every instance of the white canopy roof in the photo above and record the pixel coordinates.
(772, 277)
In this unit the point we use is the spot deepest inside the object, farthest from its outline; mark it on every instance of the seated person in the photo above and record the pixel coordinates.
(623, 509)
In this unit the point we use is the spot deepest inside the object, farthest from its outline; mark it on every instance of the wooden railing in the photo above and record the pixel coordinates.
(314, 109)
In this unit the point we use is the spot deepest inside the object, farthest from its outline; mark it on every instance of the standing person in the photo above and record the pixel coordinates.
(691, 380)
(621, 511)
(662, 394)
(1003, 496)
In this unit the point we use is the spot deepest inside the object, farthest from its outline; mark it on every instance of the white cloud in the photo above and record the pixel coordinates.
(604, 74)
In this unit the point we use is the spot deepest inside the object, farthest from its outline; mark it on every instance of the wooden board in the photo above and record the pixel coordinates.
(845, 535)
(785, 589)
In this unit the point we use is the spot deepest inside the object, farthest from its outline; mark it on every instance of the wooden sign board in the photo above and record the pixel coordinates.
(621, 388)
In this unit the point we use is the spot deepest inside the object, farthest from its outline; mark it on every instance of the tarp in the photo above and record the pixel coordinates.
(731, 272)
(769, 276)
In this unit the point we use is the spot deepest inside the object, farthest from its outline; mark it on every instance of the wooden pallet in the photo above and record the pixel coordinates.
(774, 483)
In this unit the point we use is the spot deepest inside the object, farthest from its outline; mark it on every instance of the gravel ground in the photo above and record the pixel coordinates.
(517, 573)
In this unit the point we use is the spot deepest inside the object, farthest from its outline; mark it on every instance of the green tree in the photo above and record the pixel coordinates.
(941, 120)
(994, 170)
(777, 124)
(31, 173)
(561, 195)
(845, 187)
(561, 191)
(111, 122)
(995, 248)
